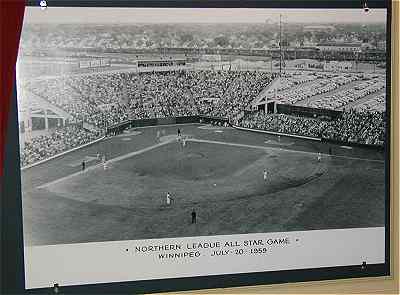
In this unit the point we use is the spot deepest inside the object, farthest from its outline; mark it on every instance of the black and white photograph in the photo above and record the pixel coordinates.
(156, 123)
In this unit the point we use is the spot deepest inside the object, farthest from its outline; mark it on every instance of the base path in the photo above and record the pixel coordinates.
(116, 159)
(172, 138)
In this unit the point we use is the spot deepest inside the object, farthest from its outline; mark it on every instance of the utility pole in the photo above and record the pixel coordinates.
(280, 45)
(270, 52)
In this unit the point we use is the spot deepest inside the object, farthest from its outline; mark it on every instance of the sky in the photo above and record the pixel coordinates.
(66, 15)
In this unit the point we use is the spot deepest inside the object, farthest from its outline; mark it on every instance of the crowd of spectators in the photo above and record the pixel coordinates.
(284, 124)
(363, 127)
(60, 140)
(366, 127)
(104, 99)
(244, 88)
(181, 93)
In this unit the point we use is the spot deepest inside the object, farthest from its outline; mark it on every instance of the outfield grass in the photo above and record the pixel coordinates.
(222, 182)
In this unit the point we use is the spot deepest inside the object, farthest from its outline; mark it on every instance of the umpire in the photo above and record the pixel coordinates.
(194, 216)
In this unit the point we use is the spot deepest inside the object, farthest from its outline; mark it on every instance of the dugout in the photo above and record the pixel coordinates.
(213, 120)
(269, 107)
(307, 111)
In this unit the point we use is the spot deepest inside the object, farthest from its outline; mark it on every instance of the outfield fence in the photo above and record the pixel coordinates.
(120, 127)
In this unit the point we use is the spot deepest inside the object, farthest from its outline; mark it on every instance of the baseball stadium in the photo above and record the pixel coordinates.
(141, 146)
(107, 178)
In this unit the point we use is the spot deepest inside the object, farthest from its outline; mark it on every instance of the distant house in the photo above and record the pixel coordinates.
(367, 46)
(306, 64)
(308, 43)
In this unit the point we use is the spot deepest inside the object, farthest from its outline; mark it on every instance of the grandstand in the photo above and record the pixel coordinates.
(103, 99)
(232, 122)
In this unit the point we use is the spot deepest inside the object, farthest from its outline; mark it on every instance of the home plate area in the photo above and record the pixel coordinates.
(281, 143)
(86, 159)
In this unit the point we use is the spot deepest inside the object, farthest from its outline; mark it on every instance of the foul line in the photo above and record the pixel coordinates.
(62, 154)
(116, 159)
(280, 149)
(277, 133)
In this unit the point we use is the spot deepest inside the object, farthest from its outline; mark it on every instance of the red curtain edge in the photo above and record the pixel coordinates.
(12, 14)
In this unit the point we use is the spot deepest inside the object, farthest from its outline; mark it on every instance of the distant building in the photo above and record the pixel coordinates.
(211, 57)
(343, 47)
(320, 28)
(160, 65)
(382, 45)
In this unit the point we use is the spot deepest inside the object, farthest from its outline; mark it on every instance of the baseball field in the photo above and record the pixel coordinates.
(218, 173)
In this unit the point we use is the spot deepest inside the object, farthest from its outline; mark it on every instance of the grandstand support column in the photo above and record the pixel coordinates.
(28, 124)
(46, 120)
(271, 63)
